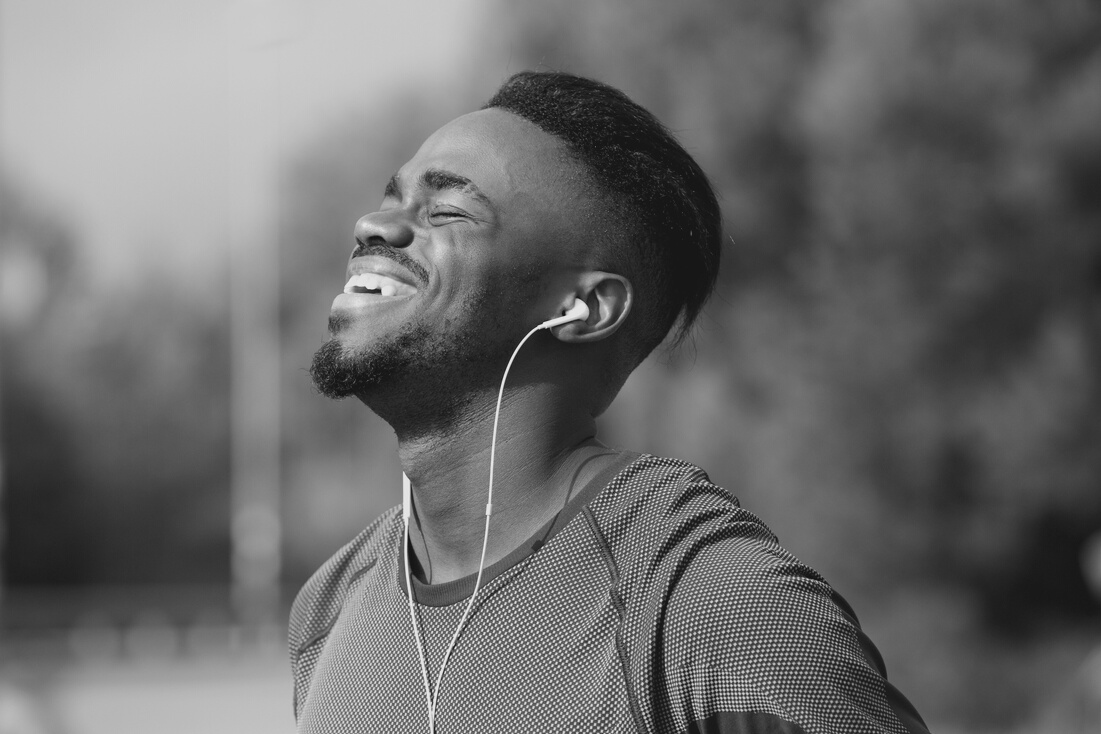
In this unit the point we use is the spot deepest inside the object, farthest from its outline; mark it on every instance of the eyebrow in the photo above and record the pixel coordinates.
(436, 179)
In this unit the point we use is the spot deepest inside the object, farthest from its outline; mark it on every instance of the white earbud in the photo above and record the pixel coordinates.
(578, 312)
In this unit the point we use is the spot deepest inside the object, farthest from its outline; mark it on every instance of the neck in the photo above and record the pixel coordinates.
(544, 441)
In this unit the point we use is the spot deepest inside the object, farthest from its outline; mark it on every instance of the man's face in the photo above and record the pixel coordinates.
(476, 237)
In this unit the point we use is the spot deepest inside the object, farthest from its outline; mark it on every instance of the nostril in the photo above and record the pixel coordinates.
(399, 234)
(365, 244)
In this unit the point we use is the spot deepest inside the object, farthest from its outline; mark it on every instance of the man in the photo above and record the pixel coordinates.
(607, 591)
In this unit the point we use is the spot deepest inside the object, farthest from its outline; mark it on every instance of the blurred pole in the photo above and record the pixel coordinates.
(257, 27)
(3, 470)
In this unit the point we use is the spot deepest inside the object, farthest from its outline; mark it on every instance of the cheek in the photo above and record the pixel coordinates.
(520, 300)
(463, 301)
(499, 286)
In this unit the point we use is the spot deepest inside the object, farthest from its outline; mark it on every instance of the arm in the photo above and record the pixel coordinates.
(754, 641)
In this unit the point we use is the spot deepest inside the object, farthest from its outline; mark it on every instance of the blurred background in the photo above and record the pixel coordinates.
(901, 372)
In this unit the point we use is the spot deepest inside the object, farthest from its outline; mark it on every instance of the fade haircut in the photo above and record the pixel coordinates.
(666, 224)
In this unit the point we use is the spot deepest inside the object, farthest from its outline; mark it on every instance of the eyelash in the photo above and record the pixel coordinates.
(450, 213)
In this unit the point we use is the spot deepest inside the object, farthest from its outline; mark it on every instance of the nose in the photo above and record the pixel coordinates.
(383, 229)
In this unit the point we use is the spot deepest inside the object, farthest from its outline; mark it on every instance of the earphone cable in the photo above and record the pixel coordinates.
(416, 627)
(433, 695)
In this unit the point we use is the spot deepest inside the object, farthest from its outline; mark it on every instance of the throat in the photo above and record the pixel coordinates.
(449, 506)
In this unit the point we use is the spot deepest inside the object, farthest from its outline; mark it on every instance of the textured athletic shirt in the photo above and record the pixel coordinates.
(652, 603)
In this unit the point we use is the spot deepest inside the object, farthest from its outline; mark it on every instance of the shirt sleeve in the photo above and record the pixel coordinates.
(754, 641)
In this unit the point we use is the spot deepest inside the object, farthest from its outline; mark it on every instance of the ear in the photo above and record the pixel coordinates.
(609, 297)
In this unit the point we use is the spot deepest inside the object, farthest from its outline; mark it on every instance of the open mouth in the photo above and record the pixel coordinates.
(378, 285)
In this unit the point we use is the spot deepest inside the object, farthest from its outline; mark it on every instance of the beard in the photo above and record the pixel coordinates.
(423, 377)
(418, 368)
(339, 373)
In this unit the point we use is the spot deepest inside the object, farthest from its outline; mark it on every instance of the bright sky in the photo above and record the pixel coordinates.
(153, 128)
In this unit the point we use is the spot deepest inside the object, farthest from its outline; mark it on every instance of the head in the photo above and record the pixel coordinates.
(662, 227)
(559, 188)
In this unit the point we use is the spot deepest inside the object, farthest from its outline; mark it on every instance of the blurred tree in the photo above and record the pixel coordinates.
(35, 257)
(950, 149)
(114, 423)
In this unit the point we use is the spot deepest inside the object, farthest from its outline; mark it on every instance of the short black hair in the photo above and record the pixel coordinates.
(668, 221)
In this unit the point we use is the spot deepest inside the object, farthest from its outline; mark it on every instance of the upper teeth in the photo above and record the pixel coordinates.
(385, 285)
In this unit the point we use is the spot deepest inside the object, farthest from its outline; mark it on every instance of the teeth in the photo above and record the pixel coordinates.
(381, 284)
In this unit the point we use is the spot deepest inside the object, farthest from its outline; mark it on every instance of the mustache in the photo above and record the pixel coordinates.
(419, 272)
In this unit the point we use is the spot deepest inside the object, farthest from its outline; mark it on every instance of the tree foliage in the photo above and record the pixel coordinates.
(114, 422)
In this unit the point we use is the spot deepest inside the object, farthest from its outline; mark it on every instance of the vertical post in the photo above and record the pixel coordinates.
(3, 472)
(256, 525)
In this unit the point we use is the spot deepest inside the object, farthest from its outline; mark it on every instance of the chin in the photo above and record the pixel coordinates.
(352, 364)
(334, 371)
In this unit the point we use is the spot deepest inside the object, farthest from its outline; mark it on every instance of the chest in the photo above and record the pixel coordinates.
(540, 652)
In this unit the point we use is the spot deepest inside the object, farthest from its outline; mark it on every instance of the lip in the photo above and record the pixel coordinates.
(355, 301)
(381, 266)
(361, 304)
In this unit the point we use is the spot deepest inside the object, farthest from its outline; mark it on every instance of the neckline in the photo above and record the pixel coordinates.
(459, 590)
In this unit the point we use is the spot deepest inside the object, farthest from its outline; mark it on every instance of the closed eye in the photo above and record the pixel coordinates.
(449, 214)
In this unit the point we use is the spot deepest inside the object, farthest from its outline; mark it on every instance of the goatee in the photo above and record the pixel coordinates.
(338, 373)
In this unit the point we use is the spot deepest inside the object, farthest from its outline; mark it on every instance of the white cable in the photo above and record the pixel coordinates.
(416, 628)
(434, 696)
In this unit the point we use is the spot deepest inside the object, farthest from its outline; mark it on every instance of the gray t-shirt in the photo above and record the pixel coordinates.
(651, 603)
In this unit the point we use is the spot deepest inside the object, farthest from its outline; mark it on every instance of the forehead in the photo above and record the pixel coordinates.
(510, 159)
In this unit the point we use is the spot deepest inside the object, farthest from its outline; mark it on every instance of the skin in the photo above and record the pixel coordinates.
(489, 261)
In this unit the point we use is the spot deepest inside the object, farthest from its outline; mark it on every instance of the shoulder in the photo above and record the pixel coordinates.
(724, 622)
(748, 604)
(661, 511)
(675, 533)
(319, 601)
